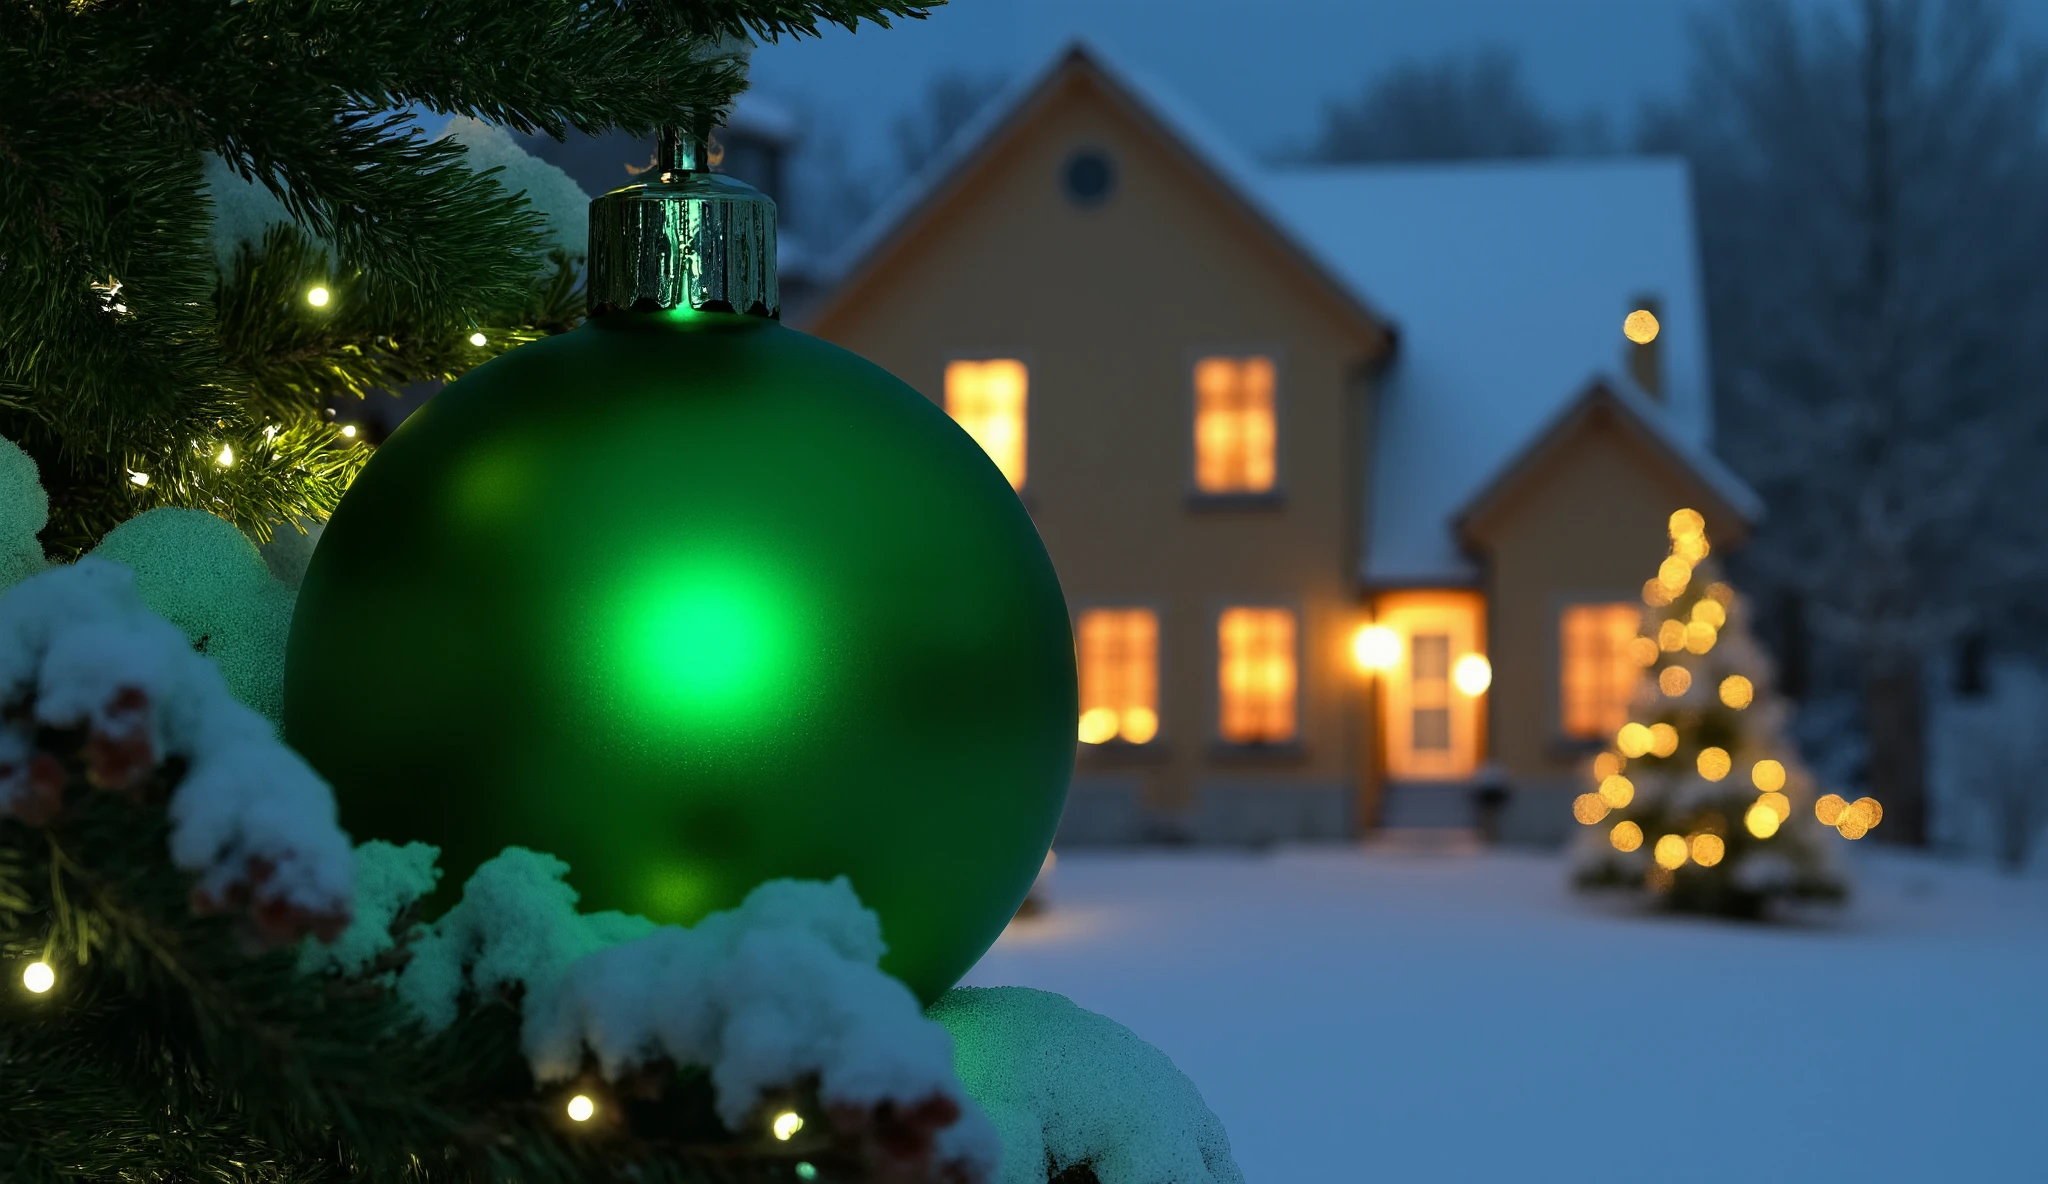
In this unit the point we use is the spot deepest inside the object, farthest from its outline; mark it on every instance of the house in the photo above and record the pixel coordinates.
(1351, 475)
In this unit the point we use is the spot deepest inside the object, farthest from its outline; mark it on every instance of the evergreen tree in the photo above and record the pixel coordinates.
(1701, 803)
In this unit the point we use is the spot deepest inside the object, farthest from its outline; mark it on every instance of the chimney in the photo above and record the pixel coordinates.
(1645, 357)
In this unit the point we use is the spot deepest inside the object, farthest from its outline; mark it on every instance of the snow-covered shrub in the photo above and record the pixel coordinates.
(1999, 746)
(1066, 1087)
(209, 580)
(563, 206)
(242, 211)
(24, 511)
(81, 652)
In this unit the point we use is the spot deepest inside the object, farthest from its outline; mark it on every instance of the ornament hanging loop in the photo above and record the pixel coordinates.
(681, 150)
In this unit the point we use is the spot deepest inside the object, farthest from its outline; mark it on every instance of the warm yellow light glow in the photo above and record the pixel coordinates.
(787, 1123)
(1671, 636)
(1472, 674)
(1617, 791)
(1255, 675)
(1777, 803)
(478, 339)
(1633, 740)
(1674, 681)
(1851, 825)
(581, 1108)
(1768, 776)
(1606, 765)
(1597, 667)
(1707, 850)
(1376, 647)
(1139, 725)
(1700, 637)
(1644, 650)
(226, 456)
(1868, 807)
(1670, 852)
(1588, 808)
(1640, 326)
(1098, 725)
(1829, 808)
(1714, 763)
(349, 430)
(1710, 612)
(988, 399)
(1655, 594)
(1737, 691)
(1663, 739)
(1626, 836)
(1674, 573)
(38, 977)
(1683, 523)
(318, 296)
(1692, 548)
(1762, 821)
(1721, 594)
(135, 478)
(1234, 427)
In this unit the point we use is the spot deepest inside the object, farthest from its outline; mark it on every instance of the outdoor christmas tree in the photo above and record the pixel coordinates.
(1701, 803)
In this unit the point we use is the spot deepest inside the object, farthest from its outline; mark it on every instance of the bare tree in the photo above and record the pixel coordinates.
(1871, 187)
(1454, 108)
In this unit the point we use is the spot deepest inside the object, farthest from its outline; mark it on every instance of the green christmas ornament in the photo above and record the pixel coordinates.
(694, 601)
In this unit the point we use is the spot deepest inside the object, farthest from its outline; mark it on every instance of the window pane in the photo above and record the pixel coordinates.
(1433, 729)
(988, 399)
(1234, 430)
(1256, 675)
(1596, 674)
(1119, 659)
(1432, 658)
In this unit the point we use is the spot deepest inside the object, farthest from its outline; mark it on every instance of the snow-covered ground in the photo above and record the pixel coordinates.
(1361, 1017)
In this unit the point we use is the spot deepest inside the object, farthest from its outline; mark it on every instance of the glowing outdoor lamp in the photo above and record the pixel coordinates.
(1376, 647)
(1472, 674)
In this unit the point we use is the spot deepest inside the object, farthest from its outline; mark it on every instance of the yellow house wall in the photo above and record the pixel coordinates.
(1110, 306)
(1587, 524)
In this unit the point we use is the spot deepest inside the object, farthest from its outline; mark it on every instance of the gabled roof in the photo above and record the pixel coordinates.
(1729, 504)
(1179, 130)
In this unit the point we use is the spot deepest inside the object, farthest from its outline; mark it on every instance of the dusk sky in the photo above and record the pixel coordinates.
(1259, 69)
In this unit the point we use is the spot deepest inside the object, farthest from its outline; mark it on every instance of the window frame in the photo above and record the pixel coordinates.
(1561, 741)
(1221, 745)
(1117, 744)
(1030, 364)
(1198, 498)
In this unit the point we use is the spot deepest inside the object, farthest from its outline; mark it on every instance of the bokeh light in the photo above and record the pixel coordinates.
(1617, 791)
(1472, 674)
(38, 977)
(1714, 763)
(1663, 739)
(1655, 595)
(1686, 522)
(1829, 809)
(1626, 836)
(1852, 826)
(1139, 724)
(1674, 681)
(318, 296)
(1644, 650)
(1700, 637)
(1692, 548)
(1709, 612)
(1762, 821)
(1606, 765)
(787, 1124)
(581, 1108)
(1588, 808)
(1671, 852)
(1640, 326)
(1098, 725)
(1633, 740)
(1376, 647)
(1768, 776)
(1721, 594)
(1674, 573)
(1777, 803)
(1671, 636)
(1707, 850)
(1737, 691)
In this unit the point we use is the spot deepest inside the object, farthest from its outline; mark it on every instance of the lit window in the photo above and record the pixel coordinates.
(1255, 674)
(1119, 675)
(1597, 670)
(988, 398)
(1430, 725)
(1234, 425)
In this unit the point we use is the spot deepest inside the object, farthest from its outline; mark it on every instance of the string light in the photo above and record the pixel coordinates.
(1692, 548)
(1871, 810)
(787, 1124)
(137, 479)
(1829, 809)
(1852, 826)
(1714, 763)
(1671, 636)
(1768, 776)
(805, 1170)
(1633, 740)
(581, 1108)
(1707, 850)
(1700, 637)
(38, 977)
(1644, 650)
(1686, 522)
(1376, 647)
(349, 430)
(318, 296)
(1721, 594)
(1762, 821)
(1655, 594)
(1670, 852)
(1710, 612)
(226, 457)
(1472, 674)
(1737, 691)
(478, 339)
(1588, 808)
(1098, 725)
(1139, 725)
(1606, 765)
(1675, 681)
(1674, 573)
(1626, 836)
(1663, 739)
(1617, 791)
(1640, 326)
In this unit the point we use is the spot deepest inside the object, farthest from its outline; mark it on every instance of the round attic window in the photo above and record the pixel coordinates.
(1090, 177)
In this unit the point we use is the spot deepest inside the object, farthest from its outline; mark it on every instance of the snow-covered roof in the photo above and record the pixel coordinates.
(759, 115)
(1509, 280)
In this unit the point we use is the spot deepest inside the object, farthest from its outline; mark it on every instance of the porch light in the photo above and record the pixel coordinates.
(1376, 647)
(1472, 674)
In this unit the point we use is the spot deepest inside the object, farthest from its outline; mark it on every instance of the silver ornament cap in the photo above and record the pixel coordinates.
(690, 238)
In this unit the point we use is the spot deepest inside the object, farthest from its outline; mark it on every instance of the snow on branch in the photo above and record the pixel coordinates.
(249, 819)
(783, 990)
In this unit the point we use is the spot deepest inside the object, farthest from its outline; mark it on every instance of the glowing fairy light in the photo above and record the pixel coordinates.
(137, 479)
(1640, 326)
(1674, 573)
(1777, 803)
(1710, 612)
(581, 1108)
(1098, 725)
(1707, 850)
(1606, 765)
(349, 430)
(226, 456)
(1626, 836)
(1685, 523)
(1671, 636)
(1643, 650)
(1762, 821)
(1674, 681)
(1671, 852)
(1870, 809)
(1721, 594)
(1588, 809)
(787, 1124)
(38, 977)
(1700, 637)
(318, 296)
(1633, 740)
(1663, 739)
(1714, 763)
(1769, 777)
(1736, 691)
(1139, 724)
(1655, 594)
(1617, 791)
(1829, 808)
